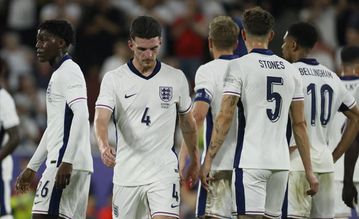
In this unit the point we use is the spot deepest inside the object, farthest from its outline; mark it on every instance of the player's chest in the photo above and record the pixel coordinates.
(54, 93)
(158, 94)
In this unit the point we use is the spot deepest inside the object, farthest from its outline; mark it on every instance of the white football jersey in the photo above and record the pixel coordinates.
(337, 128)
(67, 86)
(8, 119)
(209, 88)
(145, 111)
(266, 85)
(324, 95)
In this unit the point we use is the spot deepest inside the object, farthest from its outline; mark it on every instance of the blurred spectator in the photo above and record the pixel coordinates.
(100, 26)
(22, 19)
(61, 9)
(18, 57)
(189, 38)
(121, 53)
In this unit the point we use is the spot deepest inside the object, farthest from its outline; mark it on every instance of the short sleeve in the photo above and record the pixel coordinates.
(185, 101)
(348, 101)
(232, 80)
(298, 83)
(204, 86)
(8, 115)
(106, 97)
(74, 87)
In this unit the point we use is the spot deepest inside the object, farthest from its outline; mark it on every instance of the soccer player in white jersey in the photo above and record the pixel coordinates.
(64, 186)
(222, 41)
(144, 97)
(9, 139)
(268, 88)
(324, 95)
(350, 78)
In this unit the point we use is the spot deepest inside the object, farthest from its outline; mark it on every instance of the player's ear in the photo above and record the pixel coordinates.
(271, 36)
(210, 43)
(61, 43)
(244, 35)
(130, 44)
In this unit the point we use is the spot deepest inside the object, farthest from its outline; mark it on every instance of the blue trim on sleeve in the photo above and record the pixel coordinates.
(349, 78)
(203, 95)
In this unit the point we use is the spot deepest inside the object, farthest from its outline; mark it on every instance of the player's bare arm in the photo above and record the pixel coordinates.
(12, 143)
(349, 134)
(299, 127)
(102, 118)
(200, 111)
(221, 127)
(350, 193)
(189, 131)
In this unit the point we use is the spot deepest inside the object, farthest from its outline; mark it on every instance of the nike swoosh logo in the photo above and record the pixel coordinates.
(128, 96)
(35, 203)
(174, 206)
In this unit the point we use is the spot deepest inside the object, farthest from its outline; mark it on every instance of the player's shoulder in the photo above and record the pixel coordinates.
(171, 71)
(5, 96)
(117, 72)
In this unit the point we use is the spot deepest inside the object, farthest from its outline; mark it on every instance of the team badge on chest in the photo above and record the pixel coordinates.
(166, 93)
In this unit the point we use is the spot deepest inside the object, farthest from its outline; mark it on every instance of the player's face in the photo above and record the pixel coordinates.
(145, 51)
(287, 47)
(47, 46)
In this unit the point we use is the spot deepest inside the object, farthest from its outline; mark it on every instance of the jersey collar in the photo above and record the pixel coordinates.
(263, 51)
(229, 57)
(134, 70)
(349, 78)
(63, 59)
(309, 61)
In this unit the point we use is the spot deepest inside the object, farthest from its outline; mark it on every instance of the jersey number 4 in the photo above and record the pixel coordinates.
(146, 118)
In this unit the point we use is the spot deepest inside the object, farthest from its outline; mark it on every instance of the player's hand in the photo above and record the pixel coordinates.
(192, 173)
(204, 172)
(313, 182)
(63, 175)
(350, 194)
(108, 156)
(24, 180)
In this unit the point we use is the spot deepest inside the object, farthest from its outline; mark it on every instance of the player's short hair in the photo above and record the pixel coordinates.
(223, 32)
(350, 54)
(145, 27)
(304, 34)
(257, 21)
(60, 28)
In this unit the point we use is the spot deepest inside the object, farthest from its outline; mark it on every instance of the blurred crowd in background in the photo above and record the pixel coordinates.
(102, 28)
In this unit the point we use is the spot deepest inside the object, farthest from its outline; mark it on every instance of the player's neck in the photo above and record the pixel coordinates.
(254, 44)
(144, 70)
(56, 61)
(349, 71)
(218, 53)
(301, 54)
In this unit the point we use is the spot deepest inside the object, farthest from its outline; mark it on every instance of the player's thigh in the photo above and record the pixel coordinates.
(58, 202)
(164, 197)
(214, 203)
(5, 195)
(340, 208)
(323, 201)
(299, 203)
(249, 191)
(275, 192)
(129, 202)
(84, 179)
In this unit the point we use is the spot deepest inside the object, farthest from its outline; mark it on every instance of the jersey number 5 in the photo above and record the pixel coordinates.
(272, 96)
